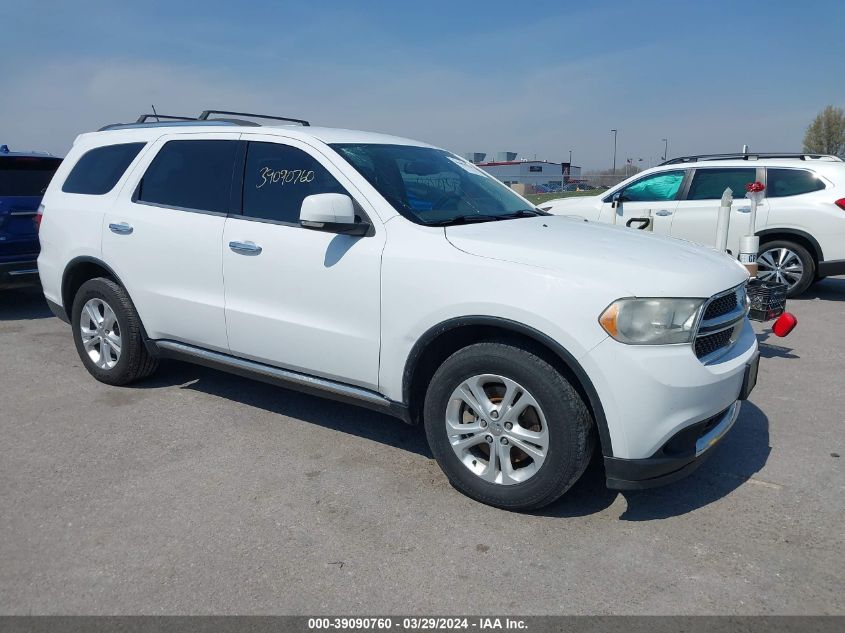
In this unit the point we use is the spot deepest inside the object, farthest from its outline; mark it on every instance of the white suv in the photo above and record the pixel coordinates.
(801, 220)
(392, 274)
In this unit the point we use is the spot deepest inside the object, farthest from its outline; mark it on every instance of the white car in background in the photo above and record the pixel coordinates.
(801, 220)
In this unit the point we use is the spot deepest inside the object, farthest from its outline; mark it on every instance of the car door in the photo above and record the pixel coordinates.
(163, 237)
(656, 193)
(696, 214)
(298, 298)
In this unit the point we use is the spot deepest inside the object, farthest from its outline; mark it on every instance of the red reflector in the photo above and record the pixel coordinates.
(38, 216)
(840, 203)
(785, 324)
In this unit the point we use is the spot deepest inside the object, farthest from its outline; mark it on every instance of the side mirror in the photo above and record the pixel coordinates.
(331, 212)
(618, 198)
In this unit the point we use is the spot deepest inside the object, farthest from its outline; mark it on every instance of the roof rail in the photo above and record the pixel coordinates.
(143, 118)
(205, 114)
(751, 156)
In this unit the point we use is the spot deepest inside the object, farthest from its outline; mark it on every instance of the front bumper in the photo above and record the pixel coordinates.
(676, 459)
(18, 273)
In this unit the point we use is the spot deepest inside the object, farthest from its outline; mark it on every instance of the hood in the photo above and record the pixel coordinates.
(573, 201)
(632, 262)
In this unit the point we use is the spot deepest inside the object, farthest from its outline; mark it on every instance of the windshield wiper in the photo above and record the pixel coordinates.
(523, 213)
(465, 219)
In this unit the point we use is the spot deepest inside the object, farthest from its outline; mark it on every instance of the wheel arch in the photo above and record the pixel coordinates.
(796, 235)
(442, 340)
(77, 272)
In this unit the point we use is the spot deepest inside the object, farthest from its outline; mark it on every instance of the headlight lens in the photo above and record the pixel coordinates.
(651, 321)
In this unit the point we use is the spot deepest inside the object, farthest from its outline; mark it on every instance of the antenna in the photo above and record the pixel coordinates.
(155, 113)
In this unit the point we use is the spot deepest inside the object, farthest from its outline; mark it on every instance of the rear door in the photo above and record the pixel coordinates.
(696, 215)
(656, 193)
(163, 236)
(23, 180)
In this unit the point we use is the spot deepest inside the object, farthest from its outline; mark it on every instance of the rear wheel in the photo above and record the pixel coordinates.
(107, 333)
(506, 427)
(787, 263)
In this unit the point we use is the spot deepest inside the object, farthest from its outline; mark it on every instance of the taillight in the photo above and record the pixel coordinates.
(38, 217)
(840, 203)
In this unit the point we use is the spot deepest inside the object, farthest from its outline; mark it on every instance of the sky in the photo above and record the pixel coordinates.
(539, 78)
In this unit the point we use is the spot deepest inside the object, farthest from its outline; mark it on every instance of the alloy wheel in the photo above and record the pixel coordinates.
(781, 265)
(100, 333)
(497, 429)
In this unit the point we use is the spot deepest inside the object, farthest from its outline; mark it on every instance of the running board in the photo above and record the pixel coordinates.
(282, 377)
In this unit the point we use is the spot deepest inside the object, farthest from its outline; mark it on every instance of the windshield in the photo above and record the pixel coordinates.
(431, 186)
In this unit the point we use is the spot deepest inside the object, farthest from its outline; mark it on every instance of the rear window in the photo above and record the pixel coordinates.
(26, 175)
(98, 171)
(191, 175)
(791, 182)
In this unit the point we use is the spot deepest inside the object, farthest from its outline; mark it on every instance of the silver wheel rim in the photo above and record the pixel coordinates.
(781, 265)
(100, 333)
(497, 429)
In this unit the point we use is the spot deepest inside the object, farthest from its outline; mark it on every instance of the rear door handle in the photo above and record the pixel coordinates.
(663, 213)
(245, 248)
(121, 228)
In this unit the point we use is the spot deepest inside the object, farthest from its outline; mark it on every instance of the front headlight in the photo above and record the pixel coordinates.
(651, 321)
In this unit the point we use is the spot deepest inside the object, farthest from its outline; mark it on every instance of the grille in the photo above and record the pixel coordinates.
(709, 343)
(720, 306)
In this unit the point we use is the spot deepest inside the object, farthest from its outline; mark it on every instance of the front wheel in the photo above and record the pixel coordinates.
(506, 427)
(787, 263)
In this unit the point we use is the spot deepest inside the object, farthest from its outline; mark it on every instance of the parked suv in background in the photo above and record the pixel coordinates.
(801, 221)
(389, 273)
(24, 177)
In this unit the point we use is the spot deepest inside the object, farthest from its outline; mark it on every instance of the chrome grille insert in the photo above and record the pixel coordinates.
(720, 325)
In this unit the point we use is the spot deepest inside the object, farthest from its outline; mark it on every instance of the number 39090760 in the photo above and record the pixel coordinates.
(284, 176)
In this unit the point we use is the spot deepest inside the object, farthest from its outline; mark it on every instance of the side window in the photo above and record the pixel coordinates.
(710, 184)
(277, 179)
(98, 170)
(791, 182)
(659, 187)
(191, 175)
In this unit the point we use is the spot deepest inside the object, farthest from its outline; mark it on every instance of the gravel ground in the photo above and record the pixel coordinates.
(200, 492)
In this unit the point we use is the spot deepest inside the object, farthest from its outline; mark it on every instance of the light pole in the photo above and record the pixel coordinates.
(614, 151)
(665, 149)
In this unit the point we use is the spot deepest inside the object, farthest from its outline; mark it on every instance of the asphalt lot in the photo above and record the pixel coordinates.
(200, 492)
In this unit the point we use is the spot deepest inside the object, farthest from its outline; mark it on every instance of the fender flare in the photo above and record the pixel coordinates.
(516, 327)
(798, 233)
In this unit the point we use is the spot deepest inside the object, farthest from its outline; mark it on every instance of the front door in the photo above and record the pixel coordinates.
(298, 298)
(655, 194)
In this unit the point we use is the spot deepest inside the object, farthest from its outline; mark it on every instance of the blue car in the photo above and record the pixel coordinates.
(24, 177)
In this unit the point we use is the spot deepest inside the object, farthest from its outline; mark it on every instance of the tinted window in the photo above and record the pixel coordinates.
(791, 182)
(26, 175)
(655, 188)
(277, 180)
(98, 171)
(710, 184)
(191, 175)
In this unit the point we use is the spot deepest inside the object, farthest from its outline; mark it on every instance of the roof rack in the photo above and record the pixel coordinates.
(205, 114)
(143, 118)
(751, 156)
(203, 119)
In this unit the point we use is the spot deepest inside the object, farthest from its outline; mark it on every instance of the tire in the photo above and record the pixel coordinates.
(562, 431)
(786, 262)
(113, 351)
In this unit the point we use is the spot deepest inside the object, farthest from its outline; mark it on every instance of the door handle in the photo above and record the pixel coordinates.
(121, 228)
(245, 248)
(744, 209)
(663, 213)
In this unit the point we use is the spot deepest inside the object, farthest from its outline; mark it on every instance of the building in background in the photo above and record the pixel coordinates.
(538, 175)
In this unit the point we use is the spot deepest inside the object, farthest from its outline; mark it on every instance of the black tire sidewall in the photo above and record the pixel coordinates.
(566, 416)
(807, 261)
(102, 289)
